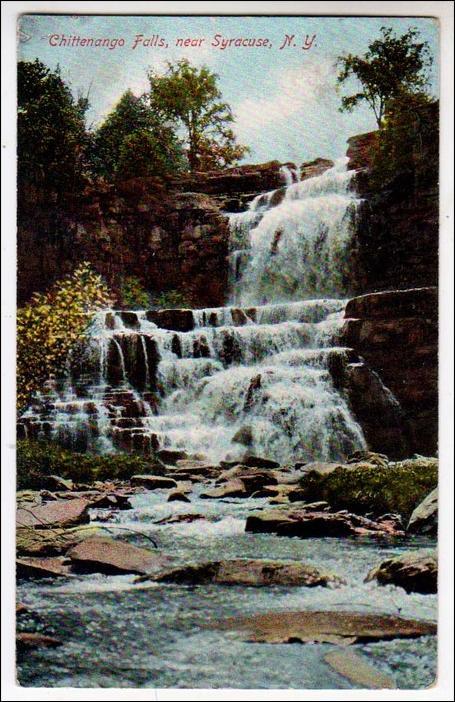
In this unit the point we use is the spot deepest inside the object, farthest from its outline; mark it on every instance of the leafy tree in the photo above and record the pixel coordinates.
(51, 132)
(391, 66)
(408, 142)
(190, 96)
(132, 141)
(52, 325)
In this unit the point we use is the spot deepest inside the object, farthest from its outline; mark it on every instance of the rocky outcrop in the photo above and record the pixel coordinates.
(169, 240)
(396, 333)
(249, 572)
(398, 220)
(325, 627)
(424, 519)
(415, 571)
(306, 523)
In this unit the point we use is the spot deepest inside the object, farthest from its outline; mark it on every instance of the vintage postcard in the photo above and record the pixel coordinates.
(227, 351)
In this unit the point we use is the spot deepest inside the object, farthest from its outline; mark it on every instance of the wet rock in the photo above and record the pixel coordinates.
(173, 320)
(424, 519)
(172, 456)
(55, 482)
(252, 394)
(358, 671)
(310, 169)
(178, 496)
(113, 500)
(305, 523)
(414, 571)
(53, 567)
(181, 518)
(153, 482)
(61, 513)
(250, 572)
(259, 462)
(26, 640)
(104, 555)
(233, 488)
(244, 436)
(21, 608)
(46, 542)
(325, 627)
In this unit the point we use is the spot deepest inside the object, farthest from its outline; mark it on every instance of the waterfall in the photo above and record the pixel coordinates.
(254, 376)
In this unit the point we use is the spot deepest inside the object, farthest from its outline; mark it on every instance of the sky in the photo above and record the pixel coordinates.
(285, 101)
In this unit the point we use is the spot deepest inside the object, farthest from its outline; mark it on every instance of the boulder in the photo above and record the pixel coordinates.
(171, 456)
(414, 571)
(424, 519)
(59, 513)
(307, 523)
(249, 572)
(26, 640)
(47, 542)
(55, 482)
(178, 496)
(325, 627)
(50, 567)
(115, 500)
(259, 462)
(233, 488)
(153, 482)
(104, 555)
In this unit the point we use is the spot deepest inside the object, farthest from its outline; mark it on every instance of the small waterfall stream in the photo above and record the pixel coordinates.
(253, 376)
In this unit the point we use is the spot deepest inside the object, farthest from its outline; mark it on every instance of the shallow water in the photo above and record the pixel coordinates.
(120, 634)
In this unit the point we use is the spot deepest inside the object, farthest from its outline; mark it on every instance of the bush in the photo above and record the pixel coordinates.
(133, 295)
(52, 325)
(398, 487)
(38, 459)
(171, 299)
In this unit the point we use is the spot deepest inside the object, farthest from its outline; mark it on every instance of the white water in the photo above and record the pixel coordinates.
(261, 370)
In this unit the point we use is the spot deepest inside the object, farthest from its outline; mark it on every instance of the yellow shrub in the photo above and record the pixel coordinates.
(51, 325)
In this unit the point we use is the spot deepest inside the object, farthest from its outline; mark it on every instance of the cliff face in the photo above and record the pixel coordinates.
(398, 223)
(171, 235)
(396, 333)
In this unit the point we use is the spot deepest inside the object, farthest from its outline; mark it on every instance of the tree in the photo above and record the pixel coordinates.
(51, 134)
(191, 96)
(133, 141)
(52, 325)
(391, 66)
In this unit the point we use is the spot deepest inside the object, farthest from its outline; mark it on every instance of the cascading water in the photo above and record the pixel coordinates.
(254, 376)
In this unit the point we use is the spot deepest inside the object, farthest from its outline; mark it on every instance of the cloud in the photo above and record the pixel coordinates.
(289, 93)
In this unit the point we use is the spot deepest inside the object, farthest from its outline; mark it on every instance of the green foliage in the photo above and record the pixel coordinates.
(392, 65)
(398, 487)
(133, 296)
(190, 96)
(408, 142)
(171, 299)
(133, 142)
(51, 135)
(38, 459)
(52, 325)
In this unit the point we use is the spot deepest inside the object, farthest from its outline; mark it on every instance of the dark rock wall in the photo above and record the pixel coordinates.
(396, 333)
(398, 223)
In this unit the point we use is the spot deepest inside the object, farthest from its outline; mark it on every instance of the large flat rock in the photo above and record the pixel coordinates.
(50, 567)
(325, 627)
(104, 555)
(253, 572)
(59, 513)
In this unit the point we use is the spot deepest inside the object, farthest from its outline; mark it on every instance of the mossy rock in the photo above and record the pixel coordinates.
(397, 487)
